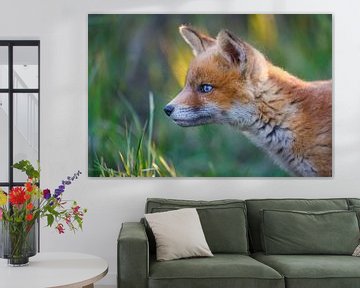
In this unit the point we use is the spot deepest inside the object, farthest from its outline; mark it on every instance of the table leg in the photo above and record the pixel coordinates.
(89, 286)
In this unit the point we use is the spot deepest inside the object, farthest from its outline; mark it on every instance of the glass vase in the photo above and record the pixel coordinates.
(18, 242)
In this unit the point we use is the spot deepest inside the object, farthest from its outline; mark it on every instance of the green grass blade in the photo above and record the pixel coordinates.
(151, 126)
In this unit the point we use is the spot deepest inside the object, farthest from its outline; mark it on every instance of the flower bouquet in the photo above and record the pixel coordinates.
(21, 208)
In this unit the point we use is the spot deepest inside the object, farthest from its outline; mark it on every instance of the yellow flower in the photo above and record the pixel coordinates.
(3, 198)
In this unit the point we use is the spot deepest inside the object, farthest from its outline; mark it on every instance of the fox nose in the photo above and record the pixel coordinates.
(168, 109)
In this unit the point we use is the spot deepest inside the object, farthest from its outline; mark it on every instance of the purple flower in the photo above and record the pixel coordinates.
(46, 194)
(58, 192)
(68, 181)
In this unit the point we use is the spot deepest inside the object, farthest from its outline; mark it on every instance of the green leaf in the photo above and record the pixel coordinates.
(26, 167)
(52, 211)
(79, 221)
(50, 219)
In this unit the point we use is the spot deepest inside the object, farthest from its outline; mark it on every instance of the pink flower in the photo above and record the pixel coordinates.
(1, 213)
(60, 228)
(76, 209)
(68, 219)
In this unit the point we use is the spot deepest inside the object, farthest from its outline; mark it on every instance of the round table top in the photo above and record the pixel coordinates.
(54, 270)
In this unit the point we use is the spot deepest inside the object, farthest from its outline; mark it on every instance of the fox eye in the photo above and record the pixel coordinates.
(205, 88)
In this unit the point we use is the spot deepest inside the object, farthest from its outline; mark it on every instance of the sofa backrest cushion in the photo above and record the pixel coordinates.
(223, 221)
(298, 232)
(353, 202)
(354, 205)
(255, 206)
(356, 209)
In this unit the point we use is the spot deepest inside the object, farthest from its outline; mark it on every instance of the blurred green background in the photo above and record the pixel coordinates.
(132, 56)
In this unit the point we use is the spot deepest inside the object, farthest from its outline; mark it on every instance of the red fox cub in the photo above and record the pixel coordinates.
(230, 82)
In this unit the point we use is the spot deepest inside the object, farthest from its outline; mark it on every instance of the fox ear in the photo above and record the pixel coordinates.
(233, 48)
(197, 41)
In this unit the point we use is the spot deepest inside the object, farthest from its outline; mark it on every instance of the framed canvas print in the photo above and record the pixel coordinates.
(210, 95)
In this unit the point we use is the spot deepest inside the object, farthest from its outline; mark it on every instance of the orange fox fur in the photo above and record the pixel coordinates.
(287, 117)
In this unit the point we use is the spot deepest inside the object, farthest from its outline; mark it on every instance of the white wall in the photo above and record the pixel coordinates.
(4, 124)
(62, 28)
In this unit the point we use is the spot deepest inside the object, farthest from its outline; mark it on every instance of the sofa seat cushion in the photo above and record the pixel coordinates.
(222, 270)
(313, 271)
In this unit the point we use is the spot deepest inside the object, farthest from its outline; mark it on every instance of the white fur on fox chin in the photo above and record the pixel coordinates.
(275, 141)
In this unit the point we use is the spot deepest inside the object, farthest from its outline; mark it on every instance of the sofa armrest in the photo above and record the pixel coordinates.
(133, 256)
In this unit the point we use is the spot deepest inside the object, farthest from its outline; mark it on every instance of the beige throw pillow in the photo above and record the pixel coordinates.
(357, 251)
(178, 234)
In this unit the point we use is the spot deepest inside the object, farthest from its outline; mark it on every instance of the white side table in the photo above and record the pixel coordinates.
(60, 270)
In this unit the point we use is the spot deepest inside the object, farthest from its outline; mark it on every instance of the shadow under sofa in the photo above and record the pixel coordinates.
(232, 229)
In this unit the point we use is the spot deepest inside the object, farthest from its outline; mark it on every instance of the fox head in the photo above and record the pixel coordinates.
(220, 82)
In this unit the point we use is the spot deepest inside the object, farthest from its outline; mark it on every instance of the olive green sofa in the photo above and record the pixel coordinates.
(234, 232)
